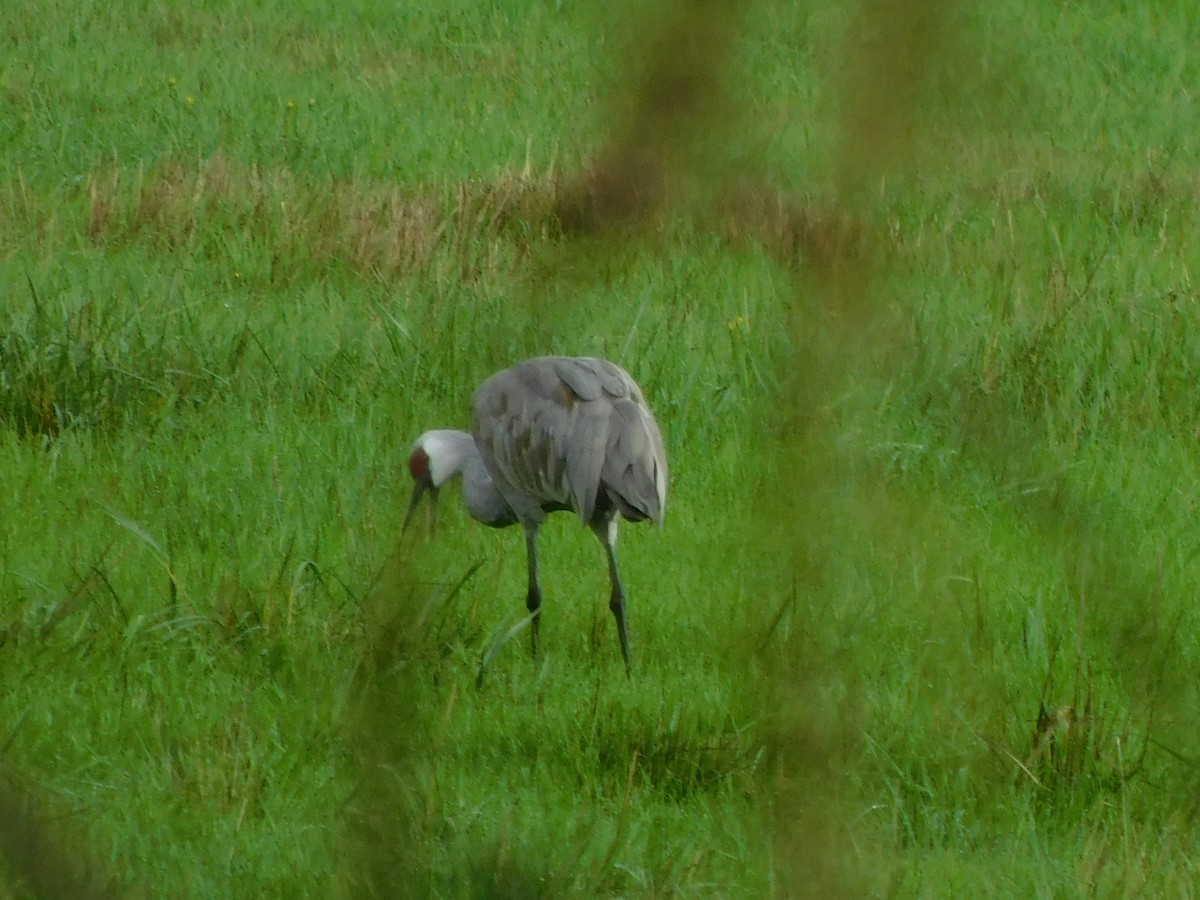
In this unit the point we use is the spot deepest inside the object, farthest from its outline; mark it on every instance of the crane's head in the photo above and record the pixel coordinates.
(436, 457)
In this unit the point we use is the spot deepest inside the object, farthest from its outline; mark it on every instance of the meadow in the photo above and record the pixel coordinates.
(908, 287)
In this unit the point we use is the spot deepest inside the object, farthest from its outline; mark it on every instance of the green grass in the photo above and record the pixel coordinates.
(911, 296)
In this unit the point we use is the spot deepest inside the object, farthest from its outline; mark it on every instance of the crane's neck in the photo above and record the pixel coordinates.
(454, 453)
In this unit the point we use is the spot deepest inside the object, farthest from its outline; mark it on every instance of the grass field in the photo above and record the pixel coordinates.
(909, 289)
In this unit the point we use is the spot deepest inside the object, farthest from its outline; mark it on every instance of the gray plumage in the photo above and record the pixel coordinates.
(553, 433)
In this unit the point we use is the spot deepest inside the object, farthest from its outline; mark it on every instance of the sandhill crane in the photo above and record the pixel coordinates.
(553, 433)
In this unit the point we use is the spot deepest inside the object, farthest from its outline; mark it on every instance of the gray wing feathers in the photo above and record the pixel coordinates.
(553, 430)
(635, 464)
(520, 440)
(590, 378)
(585, 456)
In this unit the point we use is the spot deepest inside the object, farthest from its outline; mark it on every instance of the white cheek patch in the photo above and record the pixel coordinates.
(439, 464)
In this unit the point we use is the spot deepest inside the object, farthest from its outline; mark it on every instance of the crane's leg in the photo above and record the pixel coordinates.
(607, 532)
(533, 599)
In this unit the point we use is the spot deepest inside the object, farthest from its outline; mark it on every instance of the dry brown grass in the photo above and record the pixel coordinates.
(472, 229)
(388, 231)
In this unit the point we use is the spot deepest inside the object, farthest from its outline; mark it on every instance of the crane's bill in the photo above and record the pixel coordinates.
(418, 491)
